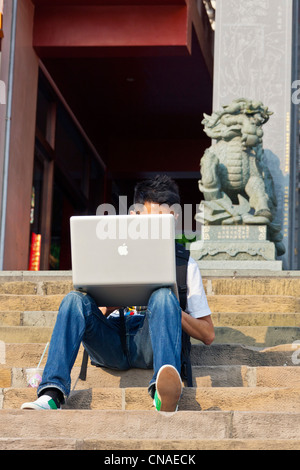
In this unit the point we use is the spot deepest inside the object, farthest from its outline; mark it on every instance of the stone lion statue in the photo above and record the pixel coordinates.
(236, 183)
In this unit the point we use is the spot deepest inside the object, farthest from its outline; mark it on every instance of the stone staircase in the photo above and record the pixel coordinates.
(246, 392)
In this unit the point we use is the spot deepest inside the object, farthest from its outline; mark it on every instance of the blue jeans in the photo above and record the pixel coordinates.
(152, 340)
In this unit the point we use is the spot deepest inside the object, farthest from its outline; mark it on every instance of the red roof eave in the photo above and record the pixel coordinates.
(64, 29)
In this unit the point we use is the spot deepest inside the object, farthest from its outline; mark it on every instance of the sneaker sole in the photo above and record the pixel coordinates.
(32, 406)
(169, 388)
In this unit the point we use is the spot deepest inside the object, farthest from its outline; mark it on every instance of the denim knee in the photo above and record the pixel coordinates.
(163, 301)
(163, 297)
(75, 295)
(72, 298)
(74, 302)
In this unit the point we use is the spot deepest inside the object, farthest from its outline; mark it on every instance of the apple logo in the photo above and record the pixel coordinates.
(123, 250)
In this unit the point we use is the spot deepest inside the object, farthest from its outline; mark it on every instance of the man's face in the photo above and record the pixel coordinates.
(154, 208)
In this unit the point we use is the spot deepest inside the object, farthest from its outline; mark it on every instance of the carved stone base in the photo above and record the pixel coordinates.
(239, 265)
(242, 244)
(238, 251)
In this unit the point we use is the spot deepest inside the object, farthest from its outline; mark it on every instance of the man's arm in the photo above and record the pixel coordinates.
(198, 328)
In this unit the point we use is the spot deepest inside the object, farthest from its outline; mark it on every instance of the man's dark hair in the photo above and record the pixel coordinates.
(161, 190)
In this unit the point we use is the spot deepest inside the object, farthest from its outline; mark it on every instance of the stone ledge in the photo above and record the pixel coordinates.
(141, 425)
(266, 399)
(271, 266)
(147, 444)
(259, 336)
(204, 376)
(45, 319)
(28, 355)
(218, 303)
(37, 276)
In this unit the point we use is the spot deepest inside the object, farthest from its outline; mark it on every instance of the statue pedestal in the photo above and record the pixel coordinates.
(235, 247)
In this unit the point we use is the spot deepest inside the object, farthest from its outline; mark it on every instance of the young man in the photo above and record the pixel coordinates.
(153, 335)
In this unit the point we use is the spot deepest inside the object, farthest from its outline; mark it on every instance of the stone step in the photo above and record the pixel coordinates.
(253, 303)
(253, 286)
(218, 303)
(30, 302)
(269, 319)
(47, 319)
(260, 336)
(129, 426)
(146, 450)
(28, 355)
(239, 354)
(25, 334)
(41, 319)
(215, 283)
(203, 376)
(196, 399)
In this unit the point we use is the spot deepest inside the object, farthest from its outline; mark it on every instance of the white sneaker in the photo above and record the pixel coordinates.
(168, 389)
(42, 403)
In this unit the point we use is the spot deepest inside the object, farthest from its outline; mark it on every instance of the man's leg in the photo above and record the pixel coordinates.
(79, 320)
(164, 314)
(159, 340)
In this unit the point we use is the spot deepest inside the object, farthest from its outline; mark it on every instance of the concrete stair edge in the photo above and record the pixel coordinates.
(257, 336)
(28, 354)
(264, 399)
(46, 319)
(152, 445)
(98, 424)
(203, 376)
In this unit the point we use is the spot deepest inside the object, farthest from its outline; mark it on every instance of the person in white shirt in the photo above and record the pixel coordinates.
(142, 337)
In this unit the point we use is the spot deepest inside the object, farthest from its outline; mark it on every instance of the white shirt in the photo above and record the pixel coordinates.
(197, 305)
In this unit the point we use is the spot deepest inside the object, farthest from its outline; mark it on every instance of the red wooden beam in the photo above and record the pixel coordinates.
(108, 2)
(62, 30)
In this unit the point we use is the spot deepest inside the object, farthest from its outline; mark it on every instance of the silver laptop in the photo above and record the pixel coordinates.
(121, 260)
